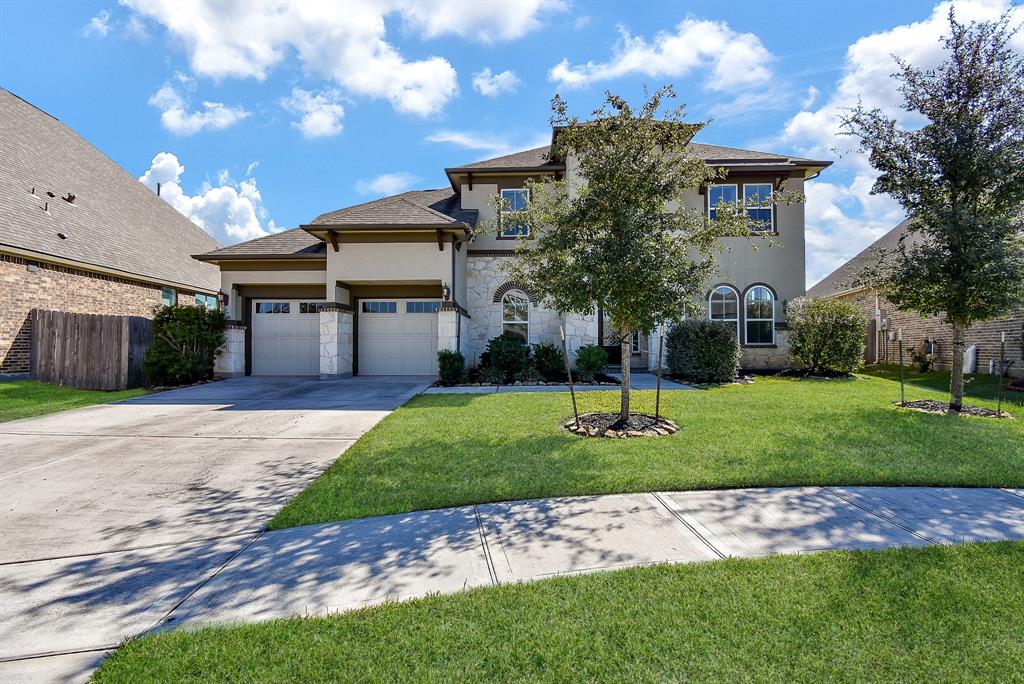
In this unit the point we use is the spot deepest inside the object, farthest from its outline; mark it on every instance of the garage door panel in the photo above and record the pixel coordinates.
(285, 343)
(397, 344)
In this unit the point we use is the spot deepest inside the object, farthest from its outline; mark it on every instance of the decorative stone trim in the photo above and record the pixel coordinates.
(512, 285)
(490, 252)
(234, 325)
(455, 306)
(338, 306)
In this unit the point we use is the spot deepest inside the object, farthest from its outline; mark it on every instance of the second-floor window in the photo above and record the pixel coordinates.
(514, 199)
(757, 199)
(720, 194)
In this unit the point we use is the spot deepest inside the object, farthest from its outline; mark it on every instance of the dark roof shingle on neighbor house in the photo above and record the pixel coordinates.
(844, 278)
(295, 243)
(114, 222)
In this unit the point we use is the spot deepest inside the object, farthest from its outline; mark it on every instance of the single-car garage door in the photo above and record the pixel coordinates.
(398, 337)
(286, 337)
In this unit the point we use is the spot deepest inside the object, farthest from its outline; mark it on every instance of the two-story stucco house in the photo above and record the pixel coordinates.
(378, 288)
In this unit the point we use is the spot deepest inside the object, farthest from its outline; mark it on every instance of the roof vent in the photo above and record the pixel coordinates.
(32, 191)
(62, 236)
(50, 194)
(69, 198)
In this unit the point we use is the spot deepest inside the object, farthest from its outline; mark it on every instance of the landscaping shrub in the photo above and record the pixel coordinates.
(826, 335)
(590, 360)
(549, 361)
(507, 353)
(703, 351)
(489, 375)
(529, 374)
(920, 359)
(450, 366)
(185, 344)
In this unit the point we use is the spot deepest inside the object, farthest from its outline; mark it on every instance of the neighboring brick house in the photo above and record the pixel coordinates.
(920, 332)
(80, 234)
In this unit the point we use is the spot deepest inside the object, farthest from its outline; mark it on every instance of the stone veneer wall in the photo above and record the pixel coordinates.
(916, 329)
(484, 277)
(62, 288)
(230, 361)
(336, 330)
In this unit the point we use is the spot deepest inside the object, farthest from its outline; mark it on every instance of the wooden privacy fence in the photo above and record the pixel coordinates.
(89, 351)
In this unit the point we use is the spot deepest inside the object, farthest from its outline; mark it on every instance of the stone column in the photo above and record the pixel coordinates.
(230, 361)
(448, 327)
(579, 331)
(335, 341)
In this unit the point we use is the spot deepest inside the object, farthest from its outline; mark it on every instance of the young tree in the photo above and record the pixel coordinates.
(961, 177)
(615, 233)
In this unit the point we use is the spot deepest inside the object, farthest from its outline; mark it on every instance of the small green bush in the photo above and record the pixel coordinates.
(703, 351)
(507, 353)
(185, 344)
(489, 375)
(549, 360)
(826, 335)
(450, 366)
(590, 360)
(529, 374)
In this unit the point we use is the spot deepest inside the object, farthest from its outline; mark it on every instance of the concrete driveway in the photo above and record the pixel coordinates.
(112, 515)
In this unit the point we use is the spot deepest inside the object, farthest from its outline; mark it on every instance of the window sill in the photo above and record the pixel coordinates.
(760, 346)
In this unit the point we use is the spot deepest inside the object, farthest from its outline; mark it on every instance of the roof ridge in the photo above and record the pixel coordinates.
(426, 208)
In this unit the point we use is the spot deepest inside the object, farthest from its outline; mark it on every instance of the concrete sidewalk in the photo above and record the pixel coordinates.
(638, 381)
(321, 569)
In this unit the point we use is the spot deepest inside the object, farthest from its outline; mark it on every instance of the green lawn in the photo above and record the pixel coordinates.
(27, 398)
(447, 450)
(931, 614)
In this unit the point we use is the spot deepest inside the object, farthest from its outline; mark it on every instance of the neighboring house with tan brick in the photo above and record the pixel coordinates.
(78, 233)
(923, 333)
(378, 288)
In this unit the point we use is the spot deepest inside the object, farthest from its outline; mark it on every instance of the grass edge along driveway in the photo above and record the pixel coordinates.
(448, 450)
(941, 613)
(29, 398)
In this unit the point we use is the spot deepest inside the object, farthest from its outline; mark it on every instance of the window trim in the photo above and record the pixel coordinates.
(720, 185)
(736, 294)
(747, 319)
(434, 304)
(501, 232)
(770, 207)
(363, 304)
(521, 295)
(286, 307)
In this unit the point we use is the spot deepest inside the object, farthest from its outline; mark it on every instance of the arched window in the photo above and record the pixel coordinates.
(724, 305)
(515, 314)
(760, 315)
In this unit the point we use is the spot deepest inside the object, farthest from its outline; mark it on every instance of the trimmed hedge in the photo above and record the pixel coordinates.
(826, 335)
(509, 354)
(590, 360)
(450, 366)
(703, 351)
(185, 344)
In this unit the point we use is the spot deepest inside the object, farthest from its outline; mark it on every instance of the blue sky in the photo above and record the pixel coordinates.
(258, 117)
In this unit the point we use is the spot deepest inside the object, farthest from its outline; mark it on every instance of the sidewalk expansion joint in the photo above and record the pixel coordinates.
(55, 654)
(486, 547)
(889, 519)
(675, 514)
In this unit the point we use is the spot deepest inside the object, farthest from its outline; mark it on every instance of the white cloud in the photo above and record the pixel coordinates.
(175, 117)
(490, 84)
(736, 60)
(320, 113)
(843, 218)
(386, 184)
(810, 98)
(488, 143)
(99, 25)
(230, 212)
(344, 42)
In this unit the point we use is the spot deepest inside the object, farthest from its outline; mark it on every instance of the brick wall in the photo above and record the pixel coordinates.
(27, 285)
(917, 329)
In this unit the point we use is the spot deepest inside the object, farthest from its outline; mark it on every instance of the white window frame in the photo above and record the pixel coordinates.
(736, 294)
(711, 206)
(366, 306)
(503, 234)
(634, 343)
(747, 319)
(770, 207)
(504, 321)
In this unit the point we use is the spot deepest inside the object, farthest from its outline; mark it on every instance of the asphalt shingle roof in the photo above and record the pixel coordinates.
(295, 243)
(115, 221)
(535, 158)
(843, 278)
(416, 207)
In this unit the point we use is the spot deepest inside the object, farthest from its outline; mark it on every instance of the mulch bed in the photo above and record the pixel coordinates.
(1016, 385)
(608, 425)
(941, 407)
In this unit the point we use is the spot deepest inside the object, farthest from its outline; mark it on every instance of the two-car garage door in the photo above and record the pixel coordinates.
(396, 337)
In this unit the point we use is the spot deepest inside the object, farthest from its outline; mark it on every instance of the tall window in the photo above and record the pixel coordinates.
(757, 198)
(168, 296)
(718, 194)
(760, 316)
(515, 315)
(724, 305)
(514, 200)
(209, 301)
(634, 343)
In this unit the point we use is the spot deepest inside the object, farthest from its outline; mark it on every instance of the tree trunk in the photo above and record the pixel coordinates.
(626, 353)
(956, 378)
